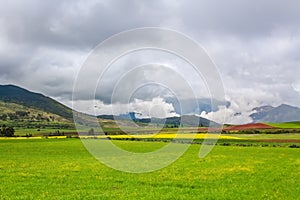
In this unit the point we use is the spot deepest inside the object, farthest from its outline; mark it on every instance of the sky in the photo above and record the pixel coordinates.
(255, 46)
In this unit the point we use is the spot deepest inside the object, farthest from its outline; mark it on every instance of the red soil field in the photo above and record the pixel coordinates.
(247, 127)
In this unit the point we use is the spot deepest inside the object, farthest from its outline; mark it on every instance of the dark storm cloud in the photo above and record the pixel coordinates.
(255, 44)
(37, 35)
(248, 19)
(73, 23)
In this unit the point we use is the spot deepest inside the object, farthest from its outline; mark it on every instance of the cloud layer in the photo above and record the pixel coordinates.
(255, 45)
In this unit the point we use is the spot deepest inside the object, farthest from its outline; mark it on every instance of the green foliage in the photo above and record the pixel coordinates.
(22, 113)
(55, 133)
(29, 120)
(3, 117)
(7, 131)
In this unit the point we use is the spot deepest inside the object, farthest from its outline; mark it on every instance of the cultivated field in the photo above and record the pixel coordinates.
(63, 169)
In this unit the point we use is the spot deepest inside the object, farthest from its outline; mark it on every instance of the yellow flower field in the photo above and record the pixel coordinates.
(168, 136)
(157, 136)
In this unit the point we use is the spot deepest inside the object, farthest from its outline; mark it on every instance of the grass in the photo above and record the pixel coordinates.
(294, 136)
(6, 107)
(287, 125)
(63, 169)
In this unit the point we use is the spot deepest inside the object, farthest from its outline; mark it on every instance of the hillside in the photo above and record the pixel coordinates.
(32, 101)
(12, 112)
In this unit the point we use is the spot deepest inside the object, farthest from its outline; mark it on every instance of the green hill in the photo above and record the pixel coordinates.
(286, 125)
(18, 113)
(30, 100)
(32, 113)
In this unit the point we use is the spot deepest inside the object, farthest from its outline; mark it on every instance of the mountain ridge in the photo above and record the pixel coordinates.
(281, 113)
(184, 120)
(18, 95)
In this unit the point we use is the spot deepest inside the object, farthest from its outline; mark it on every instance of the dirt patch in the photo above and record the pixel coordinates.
(248, 127)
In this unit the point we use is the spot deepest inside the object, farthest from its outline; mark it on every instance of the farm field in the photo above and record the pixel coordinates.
(170, 135)
(294, 136)
(253, 129)
(63, 169)
(285, 125)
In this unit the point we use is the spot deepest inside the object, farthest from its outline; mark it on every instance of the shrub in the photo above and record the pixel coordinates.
(294, 146)
(7, 131)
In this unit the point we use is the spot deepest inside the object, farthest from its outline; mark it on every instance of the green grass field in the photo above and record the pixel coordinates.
(63, 169)
(288, 125)
(294, 136)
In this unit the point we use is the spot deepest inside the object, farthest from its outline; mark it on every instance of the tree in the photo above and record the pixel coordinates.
(10, 132)
(91, 131)
(12, 116)
(7, 131)
(22, 113)
(3, 117)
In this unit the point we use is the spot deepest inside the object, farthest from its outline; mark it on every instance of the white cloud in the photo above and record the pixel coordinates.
(296, 87)
(231, 116)
(157, 108)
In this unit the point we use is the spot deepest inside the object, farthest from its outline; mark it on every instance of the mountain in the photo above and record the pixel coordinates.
(282, 113)
(16, 101)
(22, 99)
(184, 120)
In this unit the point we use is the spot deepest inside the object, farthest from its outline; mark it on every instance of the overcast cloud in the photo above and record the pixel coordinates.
(255, 45)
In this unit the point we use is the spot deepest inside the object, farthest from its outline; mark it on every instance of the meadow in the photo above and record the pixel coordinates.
(63, 169)
(288, 125)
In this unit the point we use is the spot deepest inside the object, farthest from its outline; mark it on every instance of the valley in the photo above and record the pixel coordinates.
(47, 152)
